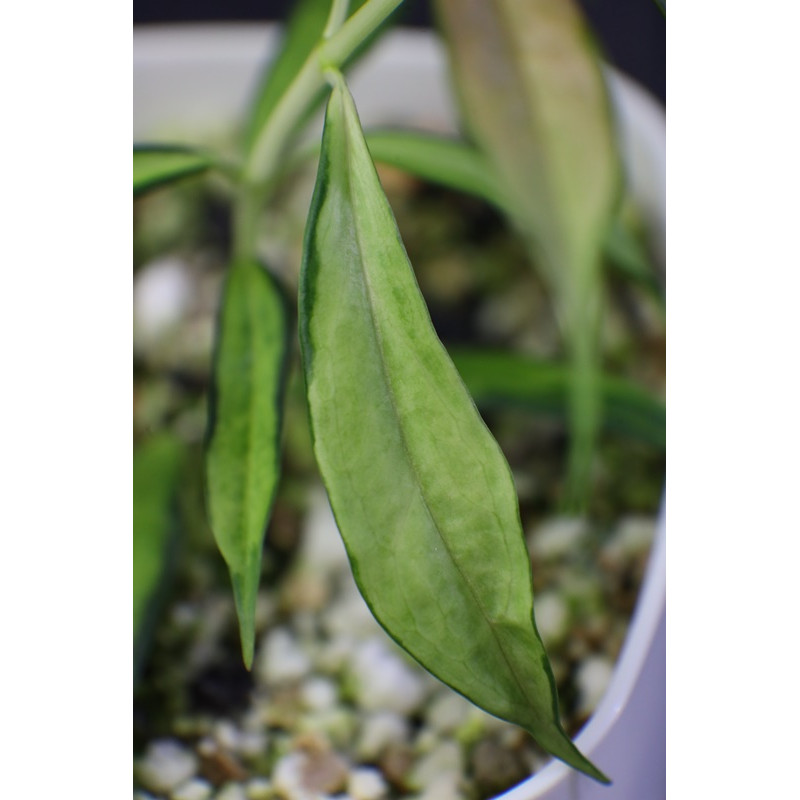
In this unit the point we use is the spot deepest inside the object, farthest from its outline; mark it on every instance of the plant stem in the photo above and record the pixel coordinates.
(271, 141)
(336, 17)
(340, 40)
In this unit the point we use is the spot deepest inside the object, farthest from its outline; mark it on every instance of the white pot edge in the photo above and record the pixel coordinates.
(227, 60)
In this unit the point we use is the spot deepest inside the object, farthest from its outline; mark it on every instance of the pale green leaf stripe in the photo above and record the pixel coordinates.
(242, 463)
(421, 492)
(156, 466)
(509, 379)
(156, 165)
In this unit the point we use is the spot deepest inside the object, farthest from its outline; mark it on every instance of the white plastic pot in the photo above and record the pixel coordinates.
(193, 81)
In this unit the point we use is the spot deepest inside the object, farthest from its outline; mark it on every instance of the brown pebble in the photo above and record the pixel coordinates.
(496, 768)
(324, 772)
(218, 767)
(395, 763)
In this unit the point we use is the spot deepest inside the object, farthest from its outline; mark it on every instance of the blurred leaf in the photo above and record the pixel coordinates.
(535, 102)
(626, 254)
(446, 161)
(507, 379)
(243, 460)
(421, 492)
(155, 165)
(457, 165)
(156, 467)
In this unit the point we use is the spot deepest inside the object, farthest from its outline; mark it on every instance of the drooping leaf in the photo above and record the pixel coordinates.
(242, 463)
(443, 160)
(499, 379)
(535, 102)
(156, 467)
(156, 165)
(421, 492)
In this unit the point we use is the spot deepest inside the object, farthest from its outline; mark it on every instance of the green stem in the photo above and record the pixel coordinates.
(336, 18)
(268, 149)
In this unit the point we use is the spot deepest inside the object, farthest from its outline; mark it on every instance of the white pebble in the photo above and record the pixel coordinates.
(366, 783)
(592, 678)
(166, 765)
(322, 546)
(252, 743)
(446, 759)
(162, 292)
(258, 789)
(226, 735)
(287, 775)
(350, 614)
(552, 617)
(319, 694)
(379, 730)
(384, 680)
(443, 787)
(195, 789)
(281, 659)
(634, 535)
(557, 537)
(447, 712)
(231, 791)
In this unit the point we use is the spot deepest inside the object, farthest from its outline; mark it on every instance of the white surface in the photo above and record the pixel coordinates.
(196, 79)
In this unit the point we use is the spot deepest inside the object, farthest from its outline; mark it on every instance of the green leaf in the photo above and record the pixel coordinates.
(155, 165)
(421, 492)
(497, 379)
(156, 467)
(535, 102)
(447, 161)
(243, 459)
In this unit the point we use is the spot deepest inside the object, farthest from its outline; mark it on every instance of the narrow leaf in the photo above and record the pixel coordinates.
(535, 102)
(155, 165)
(447, 161)
(421, 492)
(244, 448)
(497, 379)
(628, 257)
(156, 466)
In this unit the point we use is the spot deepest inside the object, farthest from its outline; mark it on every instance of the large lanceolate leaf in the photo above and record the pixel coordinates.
(157, 165)
(242, 462)
(535, 101)
(156, 466)
(421, 492)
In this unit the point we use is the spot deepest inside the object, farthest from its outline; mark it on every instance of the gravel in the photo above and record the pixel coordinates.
(338, 711)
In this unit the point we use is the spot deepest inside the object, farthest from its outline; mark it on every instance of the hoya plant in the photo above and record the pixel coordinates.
(421, 492)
